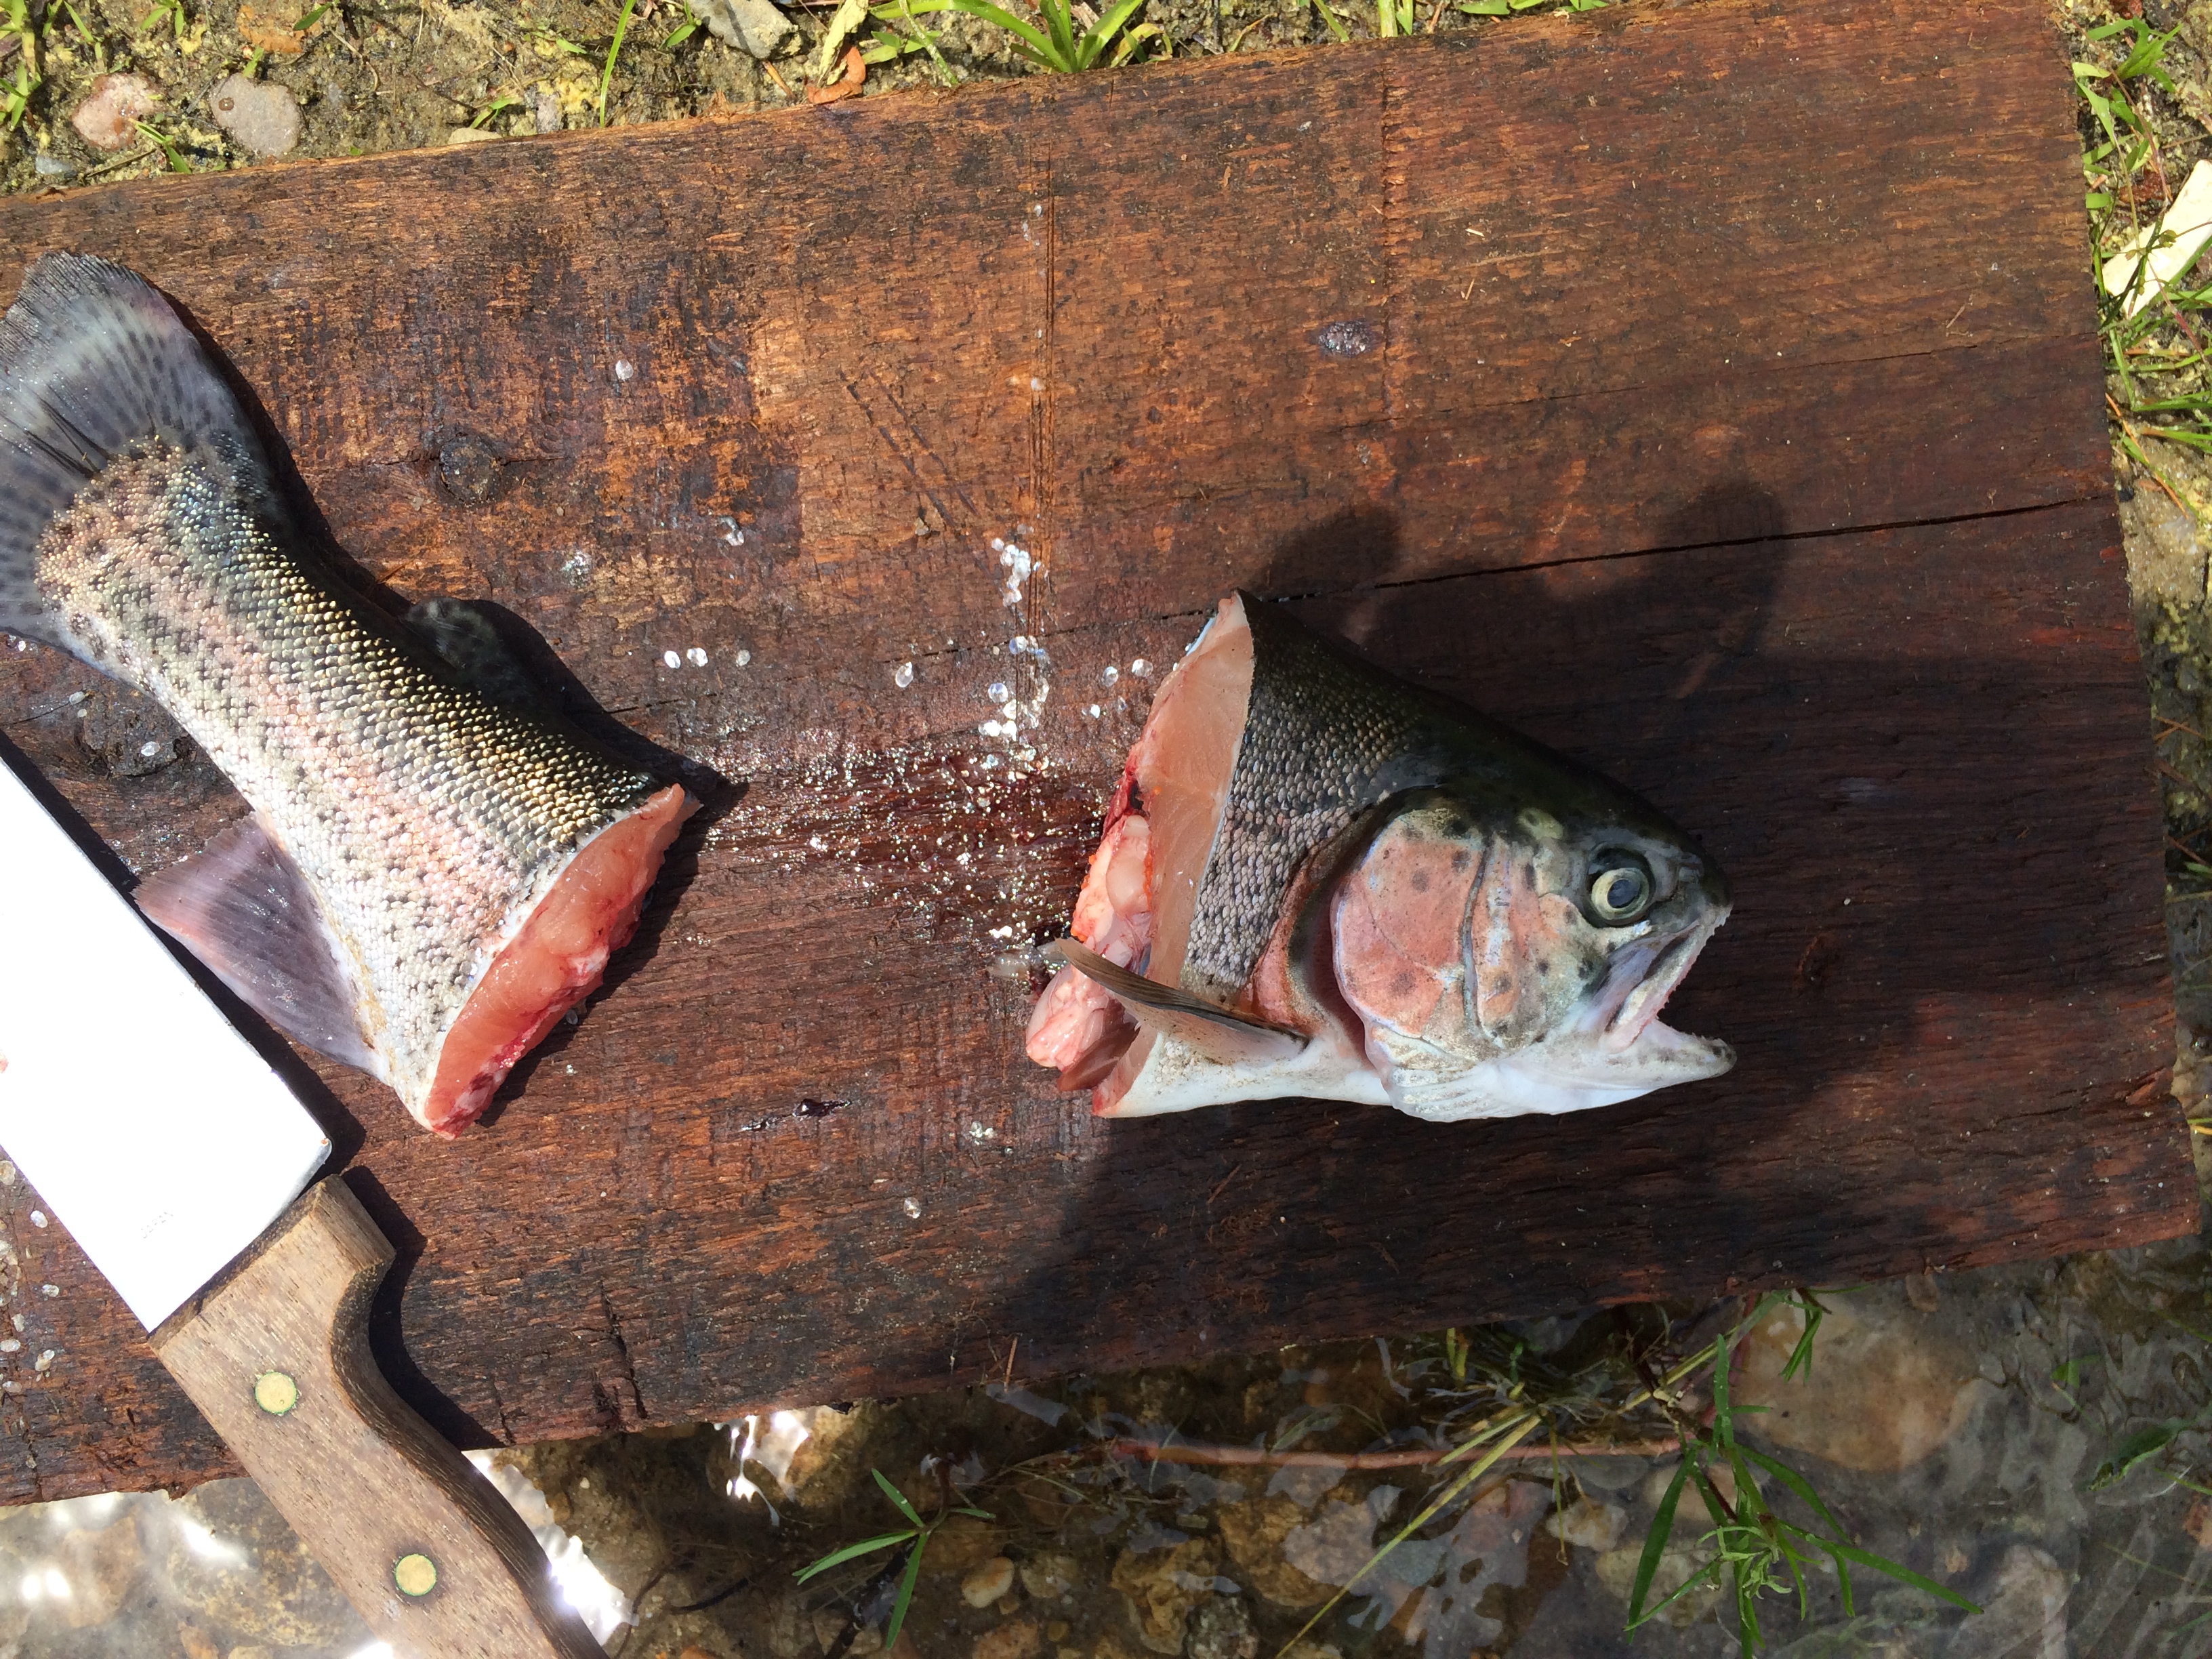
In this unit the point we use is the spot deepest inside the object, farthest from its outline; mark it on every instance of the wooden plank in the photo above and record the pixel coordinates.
(1713, 393)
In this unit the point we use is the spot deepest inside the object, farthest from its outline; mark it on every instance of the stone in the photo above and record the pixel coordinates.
(962, 1542)
(108, 118)
(2165, 554)
(1163, 1586)
(289, 1602)
(1221, 1628)
(1050, 1575)
(1616, 1572)
(790, 1626)
(2023, 1617)
(1888, 1386)
(828, 1468)
(1254, 1532)
(1017, 1639)
(270, 30)
(256, 1652)
(196, 1642)
(751, 26)
(261, 119)
(102, 1568)
(2197, 1523)
(1340, 1540)
(987, 1581)
(473, 136)
(829, 1626)
(1588, 1524)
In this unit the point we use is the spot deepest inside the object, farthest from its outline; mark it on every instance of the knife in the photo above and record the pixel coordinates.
(176, 1157)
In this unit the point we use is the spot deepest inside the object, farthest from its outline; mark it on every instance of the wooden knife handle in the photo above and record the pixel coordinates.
(276, 1353)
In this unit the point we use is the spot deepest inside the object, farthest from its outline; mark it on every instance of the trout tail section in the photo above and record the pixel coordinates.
(94, 360)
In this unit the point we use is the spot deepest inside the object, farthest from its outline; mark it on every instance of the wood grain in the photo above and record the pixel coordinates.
(1713, 393)
(276, 1355)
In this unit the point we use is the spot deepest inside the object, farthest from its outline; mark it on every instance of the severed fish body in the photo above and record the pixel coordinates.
(1317, 880)
(433, 873)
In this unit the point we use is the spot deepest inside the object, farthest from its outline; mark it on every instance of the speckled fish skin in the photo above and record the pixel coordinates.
(427, 819)
(1326, 738)
(422, 815)
(1399, 901)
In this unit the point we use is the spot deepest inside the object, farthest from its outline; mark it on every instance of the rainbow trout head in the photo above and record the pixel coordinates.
(1317, 880)
(1486, 961)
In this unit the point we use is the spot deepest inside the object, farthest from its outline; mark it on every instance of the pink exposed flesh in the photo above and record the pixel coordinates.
(555, 962)
(1137, 899)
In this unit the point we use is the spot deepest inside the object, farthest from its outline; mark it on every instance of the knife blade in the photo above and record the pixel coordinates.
(176, 1157)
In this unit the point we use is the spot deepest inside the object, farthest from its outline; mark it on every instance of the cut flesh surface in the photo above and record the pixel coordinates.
(1138, 896)
(555, 960)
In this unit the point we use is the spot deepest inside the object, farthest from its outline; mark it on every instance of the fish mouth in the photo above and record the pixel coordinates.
(1643, 976)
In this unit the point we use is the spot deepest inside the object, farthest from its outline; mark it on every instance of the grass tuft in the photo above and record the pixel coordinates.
(914, 1537)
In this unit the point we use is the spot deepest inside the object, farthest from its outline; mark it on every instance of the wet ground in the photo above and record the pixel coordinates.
(2024, 1436)
(2034, 1438)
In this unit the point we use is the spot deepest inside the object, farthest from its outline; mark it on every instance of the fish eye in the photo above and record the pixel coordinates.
(1620, 891)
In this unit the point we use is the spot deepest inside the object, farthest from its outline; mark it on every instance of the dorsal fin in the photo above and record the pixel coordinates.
(468, 642)
(241, 907)
(1211, 1031)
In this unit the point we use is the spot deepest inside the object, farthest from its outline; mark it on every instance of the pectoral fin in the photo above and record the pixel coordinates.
(1213, 1031)
(241, 907)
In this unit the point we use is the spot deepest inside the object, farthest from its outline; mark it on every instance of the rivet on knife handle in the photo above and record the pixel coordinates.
(275, 1354)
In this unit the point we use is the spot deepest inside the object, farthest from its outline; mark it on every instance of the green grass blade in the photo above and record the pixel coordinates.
(1100, 34)
(905, 1595)
(1059, 17)
(614, 50)
(1708, 1576)
(1904, 1574)
(2144, 1444)
(1797, 1484)
(1521, 1430)
(1654, 1544)
(899, 1498)
(851, 1552)
(1041, 48)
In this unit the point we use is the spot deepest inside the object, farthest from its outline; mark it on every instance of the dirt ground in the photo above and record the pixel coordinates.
(409, 74)
(2031, 1437)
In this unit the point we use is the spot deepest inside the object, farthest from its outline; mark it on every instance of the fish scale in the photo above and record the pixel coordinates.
(1397, 900)
(1327, 738)
(344, 737)
(412, 822)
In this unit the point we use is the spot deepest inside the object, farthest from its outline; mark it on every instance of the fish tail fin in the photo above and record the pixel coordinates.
(93, 360)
